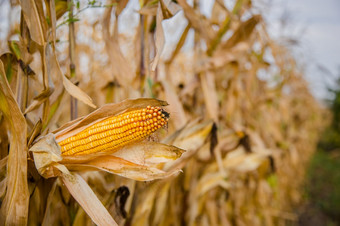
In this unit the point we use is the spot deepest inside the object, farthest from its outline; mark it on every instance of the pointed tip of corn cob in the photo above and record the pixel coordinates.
(115, 132)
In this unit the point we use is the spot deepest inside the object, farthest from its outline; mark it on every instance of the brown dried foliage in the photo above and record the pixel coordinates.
(247, 138)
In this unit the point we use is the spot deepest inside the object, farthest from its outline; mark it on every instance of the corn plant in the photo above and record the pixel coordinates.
(211, 111)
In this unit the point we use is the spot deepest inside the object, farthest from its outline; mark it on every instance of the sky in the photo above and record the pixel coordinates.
(316, 26)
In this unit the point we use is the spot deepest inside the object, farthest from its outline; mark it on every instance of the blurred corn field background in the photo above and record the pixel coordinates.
(239, 107)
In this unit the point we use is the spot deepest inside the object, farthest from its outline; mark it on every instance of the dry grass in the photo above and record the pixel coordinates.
(238, 105)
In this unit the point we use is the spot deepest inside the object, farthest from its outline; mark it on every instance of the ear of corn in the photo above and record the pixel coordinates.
(115, 132)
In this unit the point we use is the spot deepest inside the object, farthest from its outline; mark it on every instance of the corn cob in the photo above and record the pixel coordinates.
(115, 132)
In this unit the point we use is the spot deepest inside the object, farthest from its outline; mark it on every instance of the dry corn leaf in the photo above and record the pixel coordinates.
(179, 44)
(73, 90)
(175, 104)
(14, 208)
(47, 219)
(60, 8)
(210, 94)
(81, 191)
(121, 68)
(33, 21)
(218, 60)
(149, 9)
(242, 33)
(121, 6)
(219, 12)
(241, 161)
(52, 12)
(161, 203)
(142, 213)
(38, 100)
(190, 138)
(159, 36)
(21, 53)
(209, 181)
(171, 9)
(141, 161)
(3, 179)
(41, 7)
(198, 21)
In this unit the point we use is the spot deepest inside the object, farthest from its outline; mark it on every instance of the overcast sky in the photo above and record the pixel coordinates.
(316, 25)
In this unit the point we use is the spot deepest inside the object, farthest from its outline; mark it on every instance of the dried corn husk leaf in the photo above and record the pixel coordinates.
(169, 9)
(38, 100)
(141, 161)
(242, 33)
(192, 136)
(241, 161)
(52, 13)
(175, 105)
(14, 208)
(198, 21)
(210, 95)
(81, 191)
(47, 154)
(60, 8)
(161, 203)
(3, 180)
(149, 9)
(33, 21)
(159, 36)
(143, 211)
(72, 89)
(120, 65)
(209, 181)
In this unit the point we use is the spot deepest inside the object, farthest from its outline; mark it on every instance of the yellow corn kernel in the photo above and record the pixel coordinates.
(115, 132)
